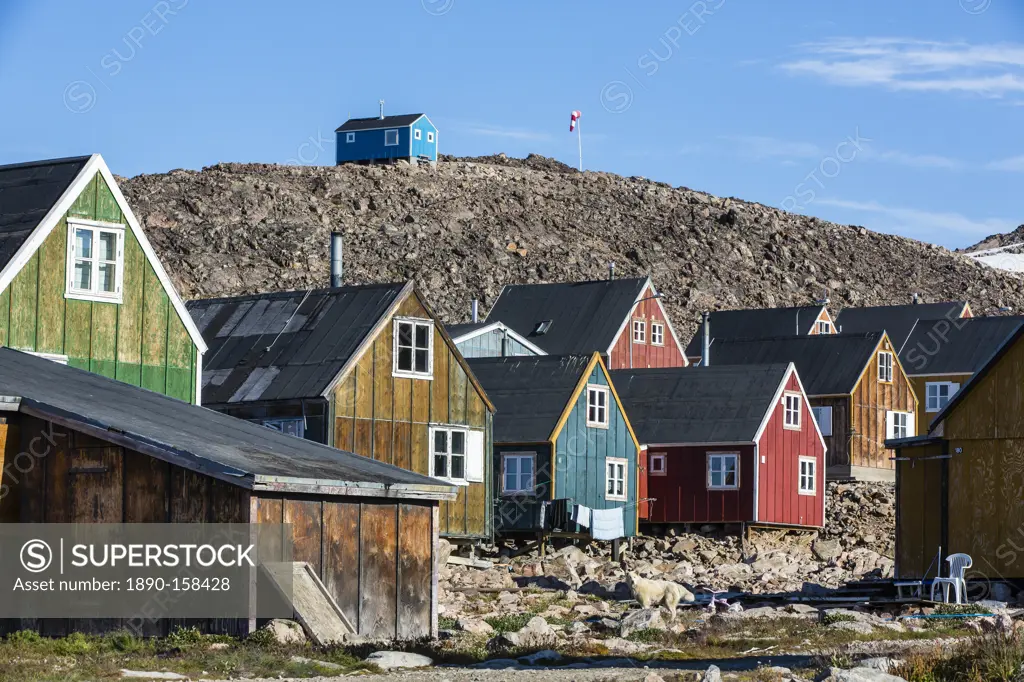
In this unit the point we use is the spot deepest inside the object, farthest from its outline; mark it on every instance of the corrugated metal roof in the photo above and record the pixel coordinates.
(897, 320)
(529, 393)
(723, 404)
(585, 316)
(27, 193)
(959, 346)
(373, 122)
(196, 437)
(756, 322)
(285, 345)
(828, 364)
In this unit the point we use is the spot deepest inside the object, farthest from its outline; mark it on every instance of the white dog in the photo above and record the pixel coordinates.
(662, 592)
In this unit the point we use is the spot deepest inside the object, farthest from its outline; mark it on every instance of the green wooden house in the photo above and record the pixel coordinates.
(80, 283)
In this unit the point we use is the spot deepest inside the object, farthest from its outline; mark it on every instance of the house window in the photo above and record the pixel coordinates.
(414, 348)
(659, 465)
(615, 483)
(95, 260)
(824, 327)
(885, 367)
(808, 479)
(657, 334)
(823, 415)
(350, 137)
(597, 406)
(723, 472)
(390, 138)
(417, 134)
(938, 393)
(791, 418)
(517, 473)
(293, 427)
(639, 331)
(448, 446)
(899, 425)
(430, 137)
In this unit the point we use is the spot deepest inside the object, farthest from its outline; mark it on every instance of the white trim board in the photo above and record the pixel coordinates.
(94, 165)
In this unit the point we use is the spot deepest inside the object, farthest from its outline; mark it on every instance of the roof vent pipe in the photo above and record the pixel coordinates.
(381, 102)
(336, 259)
(611, 270)
(705, 354)
(475, 310)
(916, 298)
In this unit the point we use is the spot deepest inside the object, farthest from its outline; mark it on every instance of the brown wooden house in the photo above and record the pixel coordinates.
(858, 390)
(368, 369)
(89, 449)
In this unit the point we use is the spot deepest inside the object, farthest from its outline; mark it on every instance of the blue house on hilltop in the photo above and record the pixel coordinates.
(386, 139)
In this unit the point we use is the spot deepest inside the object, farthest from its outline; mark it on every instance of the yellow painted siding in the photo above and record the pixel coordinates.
(870, 402)
(917, 383)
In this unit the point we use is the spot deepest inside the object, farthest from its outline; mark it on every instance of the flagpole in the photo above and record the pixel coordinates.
(579, 138)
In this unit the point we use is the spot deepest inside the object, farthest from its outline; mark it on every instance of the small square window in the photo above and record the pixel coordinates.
(95, 260)
(659, 465)
(657, 334)
(823, 415)
(350, 138)
(899, 425)
(723, 472)
(390, 138)
(885, 367)
(808, 479)
(938, 394)
(293, 427)
(791, 418)
(597, 406)
(824, 327)
(449, 454)
(616, 479)
(417, 134)
(517, 474)
(414, 348)
(639, 331)
(430, 137)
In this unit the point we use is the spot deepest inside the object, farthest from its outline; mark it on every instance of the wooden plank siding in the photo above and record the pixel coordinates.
(626, 355)
(918, 384)
(141, 341)
(869, 403)
(919, 504)
(838, 444)
(388, 418)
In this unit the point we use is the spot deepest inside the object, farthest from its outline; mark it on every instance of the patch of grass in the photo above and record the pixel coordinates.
(511, 622)
(831, 617)
(991, 658)
(646, 636)
(447, 622)
(956, 609)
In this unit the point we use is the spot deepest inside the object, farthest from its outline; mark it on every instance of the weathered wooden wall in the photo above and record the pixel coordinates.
(142, 341)
(645, 354)
(870, 401)
(838, 444)
(917, 383)
(376, 558)
(920, 503)
(388, 418)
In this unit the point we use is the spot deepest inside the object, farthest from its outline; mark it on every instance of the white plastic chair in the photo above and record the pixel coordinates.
(958, 563)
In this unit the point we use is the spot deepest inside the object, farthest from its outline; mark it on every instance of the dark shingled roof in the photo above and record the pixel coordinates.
(27, 193)
(959, 346)
(828, 364)
(529, 393)
(717, 404)
(457, 330)
(585, 316)
(285, 345)
(754, 323)
(399, 121)
(195, 437)
(897, 320)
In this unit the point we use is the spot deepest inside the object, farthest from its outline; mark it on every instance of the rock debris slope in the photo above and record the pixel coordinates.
(468, 227)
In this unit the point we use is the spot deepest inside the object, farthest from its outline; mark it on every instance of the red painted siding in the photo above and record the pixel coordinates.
(682, 495)
(645, 354)
(780, 450)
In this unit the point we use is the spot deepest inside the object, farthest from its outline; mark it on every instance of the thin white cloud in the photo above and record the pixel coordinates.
(911, 160)
(925, 224)
(1014, 164)
(759, 147)
(507, 133)
(904, 64)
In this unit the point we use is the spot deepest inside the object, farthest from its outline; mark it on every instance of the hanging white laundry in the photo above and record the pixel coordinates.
(607, 524)
(581, 515)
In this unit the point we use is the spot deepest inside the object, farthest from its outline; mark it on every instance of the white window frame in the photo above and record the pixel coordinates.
(792, 406)
(885, 368)
(658, 457)
(519, 456)
(397, 137)
(807, 474)
(434, 429)
(824, 327)
(931, 403)
(614, 465)
(639, 331)
(350, 138)
(657, 333)
(92, 294)
(724, 457)
(430, 136)
(824, 425)
(278, 424)
(598, 390)
(906, 430)
(412, 373)
(417, 134)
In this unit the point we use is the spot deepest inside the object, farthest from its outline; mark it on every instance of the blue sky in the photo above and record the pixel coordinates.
(902, 117)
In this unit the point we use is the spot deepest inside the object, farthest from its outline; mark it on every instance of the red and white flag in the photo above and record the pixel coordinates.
(575, 116)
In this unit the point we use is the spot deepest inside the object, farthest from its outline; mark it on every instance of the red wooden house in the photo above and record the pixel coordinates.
(623, 319)
(726, 444)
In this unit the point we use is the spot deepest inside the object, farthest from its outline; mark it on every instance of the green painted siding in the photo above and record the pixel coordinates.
(142, 341)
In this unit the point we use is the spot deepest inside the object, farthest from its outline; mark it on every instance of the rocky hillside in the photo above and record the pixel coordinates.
(998, 240)
(469, 226)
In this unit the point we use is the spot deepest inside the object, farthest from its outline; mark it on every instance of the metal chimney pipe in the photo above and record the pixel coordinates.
(475, 310)
(336, 259)
(611, 270)
(705, 355)
(915, 298)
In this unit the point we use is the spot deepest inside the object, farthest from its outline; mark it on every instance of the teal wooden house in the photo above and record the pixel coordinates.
(561, 439)
(387, 139)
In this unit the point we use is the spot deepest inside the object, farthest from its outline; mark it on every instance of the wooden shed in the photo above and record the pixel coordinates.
(561, 438)
(89, 449)
(958, 487)
(858, 390)
(726, 444)
(368, 369)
